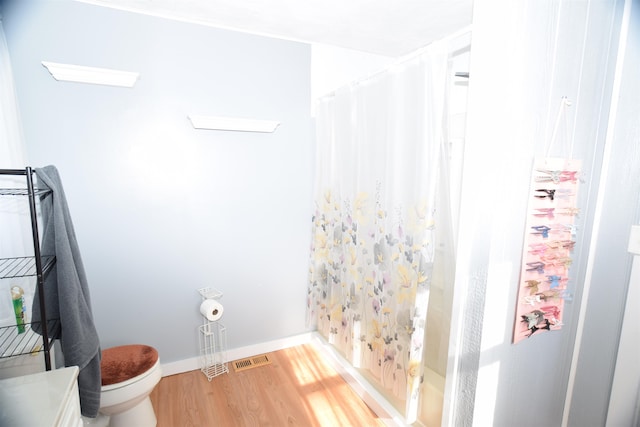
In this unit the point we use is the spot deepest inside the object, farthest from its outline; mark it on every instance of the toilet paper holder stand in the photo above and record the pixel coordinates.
(213, 341)
(210, 293)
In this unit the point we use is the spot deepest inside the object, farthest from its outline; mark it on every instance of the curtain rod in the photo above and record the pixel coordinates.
(449, 37)
(462, 32)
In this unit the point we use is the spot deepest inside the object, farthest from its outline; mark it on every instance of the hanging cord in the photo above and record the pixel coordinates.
(564, 104)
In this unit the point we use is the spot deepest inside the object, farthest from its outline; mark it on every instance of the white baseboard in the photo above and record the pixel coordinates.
(359, 384)
(193, 363)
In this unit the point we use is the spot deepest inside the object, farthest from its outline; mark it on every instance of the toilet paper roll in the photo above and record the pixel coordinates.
(211, 309)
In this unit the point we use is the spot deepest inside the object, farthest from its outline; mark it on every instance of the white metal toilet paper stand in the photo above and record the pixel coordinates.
(213, 340)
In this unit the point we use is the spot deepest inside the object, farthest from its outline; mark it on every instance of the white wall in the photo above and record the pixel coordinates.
(161, 209)
(525, 57)
(624, 405)
(597, 351)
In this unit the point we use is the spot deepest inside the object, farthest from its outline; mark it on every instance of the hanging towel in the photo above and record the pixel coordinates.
(66, 292)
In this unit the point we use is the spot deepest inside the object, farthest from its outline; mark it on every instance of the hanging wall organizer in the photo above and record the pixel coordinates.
(550, 236)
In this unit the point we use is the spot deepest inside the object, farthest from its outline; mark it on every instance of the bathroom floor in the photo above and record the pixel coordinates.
(297, 389)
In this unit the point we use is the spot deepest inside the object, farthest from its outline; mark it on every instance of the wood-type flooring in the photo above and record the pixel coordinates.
(298, 388)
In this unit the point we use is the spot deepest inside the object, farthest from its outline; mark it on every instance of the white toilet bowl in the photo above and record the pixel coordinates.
(126, 401)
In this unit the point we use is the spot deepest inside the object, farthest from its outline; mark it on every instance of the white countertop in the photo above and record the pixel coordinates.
(36, 400)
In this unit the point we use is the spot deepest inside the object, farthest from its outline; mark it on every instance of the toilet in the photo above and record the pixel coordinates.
(129, 374)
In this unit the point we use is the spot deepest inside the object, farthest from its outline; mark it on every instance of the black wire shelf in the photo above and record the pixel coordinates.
(24, 266)
(14, 343)
(22, 192)
(34, 337)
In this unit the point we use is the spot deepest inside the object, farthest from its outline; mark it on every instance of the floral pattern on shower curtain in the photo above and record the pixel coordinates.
(372, 251)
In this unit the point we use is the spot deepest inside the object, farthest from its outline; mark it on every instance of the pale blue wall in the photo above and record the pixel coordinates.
(161, 209)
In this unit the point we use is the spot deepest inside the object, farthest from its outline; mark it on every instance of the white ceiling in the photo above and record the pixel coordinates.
(384, 27)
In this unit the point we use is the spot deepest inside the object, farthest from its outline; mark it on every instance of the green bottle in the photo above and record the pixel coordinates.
(17, 295)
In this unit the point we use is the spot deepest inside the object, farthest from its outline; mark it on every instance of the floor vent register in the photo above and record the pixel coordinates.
(251, 362)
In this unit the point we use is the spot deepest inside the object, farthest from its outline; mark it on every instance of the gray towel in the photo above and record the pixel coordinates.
(67, 294)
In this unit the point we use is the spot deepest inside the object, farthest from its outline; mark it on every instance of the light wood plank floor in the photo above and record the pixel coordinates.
(298, 388)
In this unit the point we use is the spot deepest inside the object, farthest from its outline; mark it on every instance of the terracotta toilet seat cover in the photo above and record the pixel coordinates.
(122, 363)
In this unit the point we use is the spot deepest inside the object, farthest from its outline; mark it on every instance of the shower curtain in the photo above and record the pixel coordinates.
(379, 149)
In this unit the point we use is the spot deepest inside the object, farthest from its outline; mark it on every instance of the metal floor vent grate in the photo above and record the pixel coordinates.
(251, 362)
